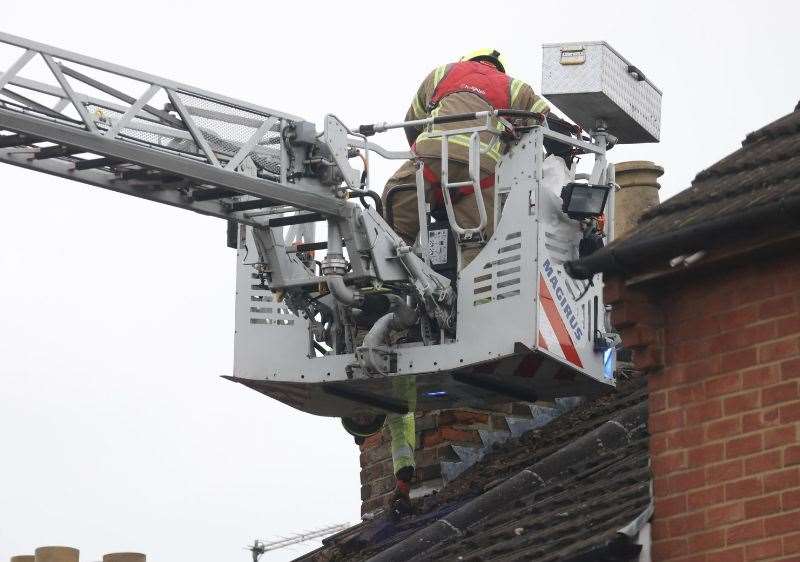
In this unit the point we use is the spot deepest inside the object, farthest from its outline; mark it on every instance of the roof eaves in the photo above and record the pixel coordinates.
(629, 254)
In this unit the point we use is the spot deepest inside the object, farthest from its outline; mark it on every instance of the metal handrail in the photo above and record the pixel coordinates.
(166, 83)
(474, 181)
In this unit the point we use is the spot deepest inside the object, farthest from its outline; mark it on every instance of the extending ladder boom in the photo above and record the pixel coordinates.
(139, 134)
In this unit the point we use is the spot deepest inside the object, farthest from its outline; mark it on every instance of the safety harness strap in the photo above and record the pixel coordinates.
(437, 198)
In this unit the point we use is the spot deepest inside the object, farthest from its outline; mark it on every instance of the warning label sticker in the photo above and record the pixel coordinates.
(437, 240)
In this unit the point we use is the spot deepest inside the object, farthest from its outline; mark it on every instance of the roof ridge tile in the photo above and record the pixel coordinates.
(786, 125)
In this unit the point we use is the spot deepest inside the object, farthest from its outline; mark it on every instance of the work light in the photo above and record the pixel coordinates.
(583, 200)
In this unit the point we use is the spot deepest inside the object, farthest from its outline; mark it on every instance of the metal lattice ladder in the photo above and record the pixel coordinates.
(98, 123)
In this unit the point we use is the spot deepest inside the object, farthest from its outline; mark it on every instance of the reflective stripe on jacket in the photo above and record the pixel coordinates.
(402, 429)
(467, 87)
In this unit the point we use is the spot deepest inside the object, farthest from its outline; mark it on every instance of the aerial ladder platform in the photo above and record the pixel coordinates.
(376, 326)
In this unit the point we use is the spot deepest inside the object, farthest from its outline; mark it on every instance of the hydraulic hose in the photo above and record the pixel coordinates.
(341, 292)
(375, 197)
(334, 267)
(403, 316)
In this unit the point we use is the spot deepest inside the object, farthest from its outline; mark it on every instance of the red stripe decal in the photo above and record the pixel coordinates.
(560, 329)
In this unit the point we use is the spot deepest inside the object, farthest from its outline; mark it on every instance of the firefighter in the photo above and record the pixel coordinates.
(477, 82)
(402, 429)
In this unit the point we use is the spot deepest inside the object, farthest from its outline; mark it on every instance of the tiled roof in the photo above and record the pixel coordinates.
(577, 514)
(765, 168)
(752, 194)
(561, 492)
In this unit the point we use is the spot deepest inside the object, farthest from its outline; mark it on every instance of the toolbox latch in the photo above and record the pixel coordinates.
(573, 55)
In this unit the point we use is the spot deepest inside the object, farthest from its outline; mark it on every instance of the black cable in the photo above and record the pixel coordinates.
(585, 290)
(375, 197)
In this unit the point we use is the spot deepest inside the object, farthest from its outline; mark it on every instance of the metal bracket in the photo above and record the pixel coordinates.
(335, 137)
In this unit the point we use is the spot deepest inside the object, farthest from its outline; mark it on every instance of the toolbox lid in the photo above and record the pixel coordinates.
(604, 44)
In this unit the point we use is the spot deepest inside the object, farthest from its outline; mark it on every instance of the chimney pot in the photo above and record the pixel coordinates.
(56, 554)
(23, 558)
(124, 557)
(638, 193)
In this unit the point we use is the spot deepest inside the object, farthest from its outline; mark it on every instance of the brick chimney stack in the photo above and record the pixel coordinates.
(448, 443)
(638, 182)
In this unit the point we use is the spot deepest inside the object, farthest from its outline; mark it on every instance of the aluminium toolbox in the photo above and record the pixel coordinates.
(591, 81)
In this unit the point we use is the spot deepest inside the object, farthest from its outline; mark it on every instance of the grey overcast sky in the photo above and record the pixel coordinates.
(116, 430)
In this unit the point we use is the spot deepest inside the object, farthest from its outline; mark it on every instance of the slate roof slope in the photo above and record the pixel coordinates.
(764, 169)
(592, 485)
(578, 515)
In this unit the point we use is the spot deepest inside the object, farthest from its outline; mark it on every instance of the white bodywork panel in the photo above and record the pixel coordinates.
(505, 313)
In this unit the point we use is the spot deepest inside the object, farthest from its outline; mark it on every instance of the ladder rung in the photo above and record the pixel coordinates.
(310, 247)
(96, 163)
(213, 193)
(57, 152)
(302, 218)
(249, 205)
(7, 141)
(149, 175)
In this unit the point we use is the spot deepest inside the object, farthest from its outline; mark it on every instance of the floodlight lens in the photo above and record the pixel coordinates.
(583, 201)
(586, 201)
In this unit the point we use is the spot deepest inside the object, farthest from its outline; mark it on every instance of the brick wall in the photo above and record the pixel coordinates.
(437, 432)
(725, 411)
(448, 442)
